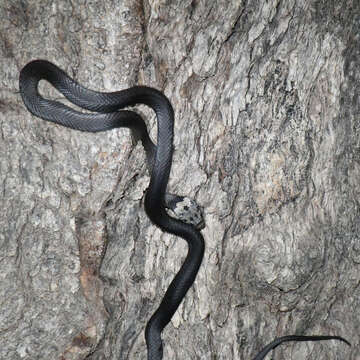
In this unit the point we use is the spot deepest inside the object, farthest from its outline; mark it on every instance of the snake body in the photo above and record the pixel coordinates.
(108, 114)
(109, 117)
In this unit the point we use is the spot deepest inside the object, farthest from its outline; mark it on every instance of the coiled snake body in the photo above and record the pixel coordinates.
(108, 115)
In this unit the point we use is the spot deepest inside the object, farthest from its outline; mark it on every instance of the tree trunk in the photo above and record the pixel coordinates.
(266, 100)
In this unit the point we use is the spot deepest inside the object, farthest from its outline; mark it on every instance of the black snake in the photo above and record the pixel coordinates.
(108, 115)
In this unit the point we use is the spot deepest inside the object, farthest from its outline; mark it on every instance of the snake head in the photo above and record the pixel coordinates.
(185, 209)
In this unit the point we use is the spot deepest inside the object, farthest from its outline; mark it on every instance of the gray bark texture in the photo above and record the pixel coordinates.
(267, 140)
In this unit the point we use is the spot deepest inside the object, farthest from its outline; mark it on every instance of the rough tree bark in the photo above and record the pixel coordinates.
(266, 97)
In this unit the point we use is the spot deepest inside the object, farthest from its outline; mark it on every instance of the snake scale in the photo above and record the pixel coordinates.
(106, 114)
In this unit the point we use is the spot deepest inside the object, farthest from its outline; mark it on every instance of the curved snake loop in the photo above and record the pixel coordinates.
(108, 115)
